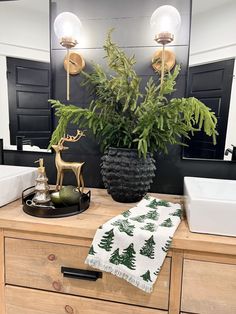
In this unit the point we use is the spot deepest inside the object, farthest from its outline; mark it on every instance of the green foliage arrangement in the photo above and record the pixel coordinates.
(121, 116)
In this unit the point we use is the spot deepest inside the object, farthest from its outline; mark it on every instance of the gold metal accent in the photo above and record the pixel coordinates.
(76, 63)
(68, 42)
(41, 165)
(169, 60)
(67, 75)
(164, 38)
(163, 61)
(62, 165)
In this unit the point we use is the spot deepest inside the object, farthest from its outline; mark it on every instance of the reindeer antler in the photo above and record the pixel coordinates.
(61, 141)
(71, 138)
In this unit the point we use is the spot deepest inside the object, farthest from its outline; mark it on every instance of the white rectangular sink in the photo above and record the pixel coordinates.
(13, 180)
(210, 205)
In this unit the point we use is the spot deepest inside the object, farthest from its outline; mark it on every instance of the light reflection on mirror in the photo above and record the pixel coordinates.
(213, 40)
(24, 37)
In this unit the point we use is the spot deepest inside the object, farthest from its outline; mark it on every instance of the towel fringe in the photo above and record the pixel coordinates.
(96, 263)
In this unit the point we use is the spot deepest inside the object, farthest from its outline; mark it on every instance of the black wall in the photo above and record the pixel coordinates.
(130, 18)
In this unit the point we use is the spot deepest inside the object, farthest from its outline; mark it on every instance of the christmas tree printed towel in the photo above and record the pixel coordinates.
(133, 245)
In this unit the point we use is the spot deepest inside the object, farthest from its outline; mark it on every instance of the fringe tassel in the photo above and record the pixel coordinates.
(96, 263)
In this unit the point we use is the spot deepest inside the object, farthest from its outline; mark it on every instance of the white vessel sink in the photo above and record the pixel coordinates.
(13, 180)
(211, 205)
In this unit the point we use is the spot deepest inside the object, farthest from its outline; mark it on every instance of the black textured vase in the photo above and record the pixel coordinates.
(127, 177)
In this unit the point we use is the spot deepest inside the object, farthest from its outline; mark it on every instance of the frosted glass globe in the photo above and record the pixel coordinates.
(67, 25)
(165, 19)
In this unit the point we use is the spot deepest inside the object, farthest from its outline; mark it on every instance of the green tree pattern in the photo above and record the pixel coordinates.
(124, 226)
(107, 240)
(146, 276)
(140, 218)
(177, 213)
(153, 204)
(165, 248)
(148, 248)
(167, 223)
(150, 226)
(115, 257)
(128, 257)
(153, 214)
(147, 197)
(163, 203)
(126, 214)
(91, 251)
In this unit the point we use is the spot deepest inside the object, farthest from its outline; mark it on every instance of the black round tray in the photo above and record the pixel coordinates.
(53, 210)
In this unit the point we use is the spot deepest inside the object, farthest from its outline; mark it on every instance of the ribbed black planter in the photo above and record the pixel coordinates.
(127, 177)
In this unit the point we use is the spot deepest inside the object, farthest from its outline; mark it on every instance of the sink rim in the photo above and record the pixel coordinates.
(192, 189)
(20, 170)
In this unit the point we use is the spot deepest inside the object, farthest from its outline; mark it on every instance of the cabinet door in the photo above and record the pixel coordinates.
(29, 301)
(208, 288)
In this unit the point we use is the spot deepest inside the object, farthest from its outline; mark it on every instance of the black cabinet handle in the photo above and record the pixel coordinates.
(83, 274)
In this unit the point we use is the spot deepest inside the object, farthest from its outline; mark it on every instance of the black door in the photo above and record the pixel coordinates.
(28, 92)
(211, 83)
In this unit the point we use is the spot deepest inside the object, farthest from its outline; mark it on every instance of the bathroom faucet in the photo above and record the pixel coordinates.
(20, 141)
(231, 151)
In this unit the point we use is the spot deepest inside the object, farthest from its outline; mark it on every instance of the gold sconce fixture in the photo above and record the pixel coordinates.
(76, 63)
(165, 22)
(169, 61)
(67, 27)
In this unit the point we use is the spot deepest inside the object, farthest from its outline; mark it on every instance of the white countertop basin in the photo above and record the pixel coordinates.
(210, 205)
(13, 180)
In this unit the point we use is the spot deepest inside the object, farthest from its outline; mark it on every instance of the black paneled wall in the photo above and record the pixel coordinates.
(131, 20)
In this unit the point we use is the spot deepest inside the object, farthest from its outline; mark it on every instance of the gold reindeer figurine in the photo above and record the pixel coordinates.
(62, 165)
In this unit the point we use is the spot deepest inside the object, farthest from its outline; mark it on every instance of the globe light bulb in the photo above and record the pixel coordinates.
(165, 23)
(67, 27)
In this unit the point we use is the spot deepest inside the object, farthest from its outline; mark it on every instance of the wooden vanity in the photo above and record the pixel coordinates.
(198, 275)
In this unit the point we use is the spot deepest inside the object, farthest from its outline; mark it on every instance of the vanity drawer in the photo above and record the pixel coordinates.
(37, 264)
(208, 288)
(28, 301)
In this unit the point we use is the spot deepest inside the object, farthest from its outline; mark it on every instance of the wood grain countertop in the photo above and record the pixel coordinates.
(103, 208)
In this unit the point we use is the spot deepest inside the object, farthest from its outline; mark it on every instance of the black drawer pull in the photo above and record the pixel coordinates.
(80, 273)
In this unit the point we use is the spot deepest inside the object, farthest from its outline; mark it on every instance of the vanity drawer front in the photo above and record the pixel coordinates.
(208, 288)
(28, 301)
(38, 265)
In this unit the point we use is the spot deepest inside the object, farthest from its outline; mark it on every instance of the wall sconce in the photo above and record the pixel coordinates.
(67, 27)
(165, 22)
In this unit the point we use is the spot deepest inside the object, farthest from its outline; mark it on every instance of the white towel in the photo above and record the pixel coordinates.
(133, 245)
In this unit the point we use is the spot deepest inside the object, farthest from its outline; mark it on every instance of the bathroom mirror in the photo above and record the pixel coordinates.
(25, 119)
(211, 77)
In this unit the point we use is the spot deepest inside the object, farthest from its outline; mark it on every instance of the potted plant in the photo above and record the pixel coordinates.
(131, 125)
